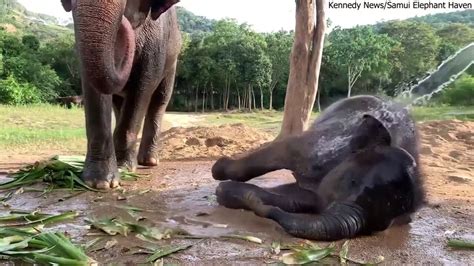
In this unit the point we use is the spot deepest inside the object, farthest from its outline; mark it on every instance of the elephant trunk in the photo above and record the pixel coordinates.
(106, 44)
(337, 222)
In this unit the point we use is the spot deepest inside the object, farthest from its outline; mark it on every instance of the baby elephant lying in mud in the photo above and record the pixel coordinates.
(356, 172)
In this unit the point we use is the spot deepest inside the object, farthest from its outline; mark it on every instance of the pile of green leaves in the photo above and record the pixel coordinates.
(113, 226)
(308, 252)
(33, 246)
(21, 237)
(59, 172)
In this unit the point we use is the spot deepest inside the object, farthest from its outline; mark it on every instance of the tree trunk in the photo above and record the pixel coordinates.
(197, 99)
(238, 98)
(319, 101)
(272, 88)
(212, 97)
(349, 87)
(270, 105)
(228, 95)
(249, 94)
(254, 99)
(261, 98)
(305, 63)
(203, 98)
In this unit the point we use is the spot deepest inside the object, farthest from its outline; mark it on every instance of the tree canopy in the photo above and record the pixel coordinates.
(227, 65)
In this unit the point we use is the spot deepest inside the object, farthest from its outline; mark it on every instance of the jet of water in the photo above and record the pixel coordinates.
(445, 74)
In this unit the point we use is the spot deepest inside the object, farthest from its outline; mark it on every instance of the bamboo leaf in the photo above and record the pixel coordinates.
(343, 253)
(36, 218)
(460, 243)
(61, 171)
(110, 226)
(247, 238)
(305, 256)
(165, 251)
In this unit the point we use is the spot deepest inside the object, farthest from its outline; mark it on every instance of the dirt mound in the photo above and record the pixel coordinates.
(180, 143)
(447, 157)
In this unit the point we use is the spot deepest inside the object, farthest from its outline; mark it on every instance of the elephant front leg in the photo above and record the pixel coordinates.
(100, 170)
(279, 154)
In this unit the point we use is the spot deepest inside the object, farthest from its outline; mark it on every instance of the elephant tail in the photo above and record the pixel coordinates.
(340, 220)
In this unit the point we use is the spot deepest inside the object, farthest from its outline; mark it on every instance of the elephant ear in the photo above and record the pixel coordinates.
(371, 132)
(159, 7)
(68, 4)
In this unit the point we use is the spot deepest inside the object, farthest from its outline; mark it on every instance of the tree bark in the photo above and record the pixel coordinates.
(212, 97)
(238, 98)
(249, 94)
(270, 104)
(203, 98)
(253, 97)
(352, 77)
(305, 63)
(196, 99)
(271, 89)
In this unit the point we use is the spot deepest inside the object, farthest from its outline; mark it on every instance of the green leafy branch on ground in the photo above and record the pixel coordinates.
(32, 245)
(58, 172)
(307, 252)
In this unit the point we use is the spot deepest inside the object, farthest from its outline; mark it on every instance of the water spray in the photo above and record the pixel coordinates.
(446, 73)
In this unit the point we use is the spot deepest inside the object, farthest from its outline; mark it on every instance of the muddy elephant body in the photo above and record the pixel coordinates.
(128, 52)
(356, 172)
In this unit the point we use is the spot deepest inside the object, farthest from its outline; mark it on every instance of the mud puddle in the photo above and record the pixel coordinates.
(181, 195)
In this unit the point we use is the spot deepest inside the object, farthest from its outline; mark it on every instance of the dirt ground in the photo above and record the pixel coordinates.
(182, 196)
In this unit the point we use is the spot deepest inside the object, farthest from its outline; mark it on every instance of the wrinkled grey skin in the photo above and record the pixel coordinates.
(128, 52)
(356, 172)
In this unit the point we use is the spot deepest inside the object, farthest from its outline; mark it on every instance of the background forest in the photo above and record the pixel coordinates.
(225, 65)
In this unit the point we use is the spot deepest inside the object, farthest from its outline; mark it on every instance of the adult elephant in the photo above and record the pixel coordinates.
(128, 53)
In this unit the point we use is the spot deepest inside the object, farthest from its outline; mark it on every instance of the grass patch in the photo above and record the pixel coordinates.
(443, 113)
(37, 127)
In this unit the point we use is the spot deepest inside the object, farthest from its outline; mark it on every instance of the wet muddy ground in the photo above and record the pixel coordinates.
(180, 194)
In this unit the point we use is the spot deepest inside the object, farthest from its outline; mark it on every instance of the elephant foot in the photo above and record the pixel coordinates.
(101, 175)
(127, 161)
(148, 161)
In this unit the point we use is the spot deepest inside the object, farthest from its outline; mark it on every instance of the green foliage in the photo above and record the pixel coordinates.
(454, 36)
(60, 55)
(27, 69)
(460, 93)
(418, 50)
(464, 17)
(358, 50)
(14, 92)
(191, 23)
(227, 65)
(31, 42)
(24, 22)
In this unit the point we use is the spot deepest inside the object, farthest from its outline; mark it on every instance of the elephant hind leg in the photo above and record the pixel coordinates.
(128, 126)
(288, 197)
(148, 152)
